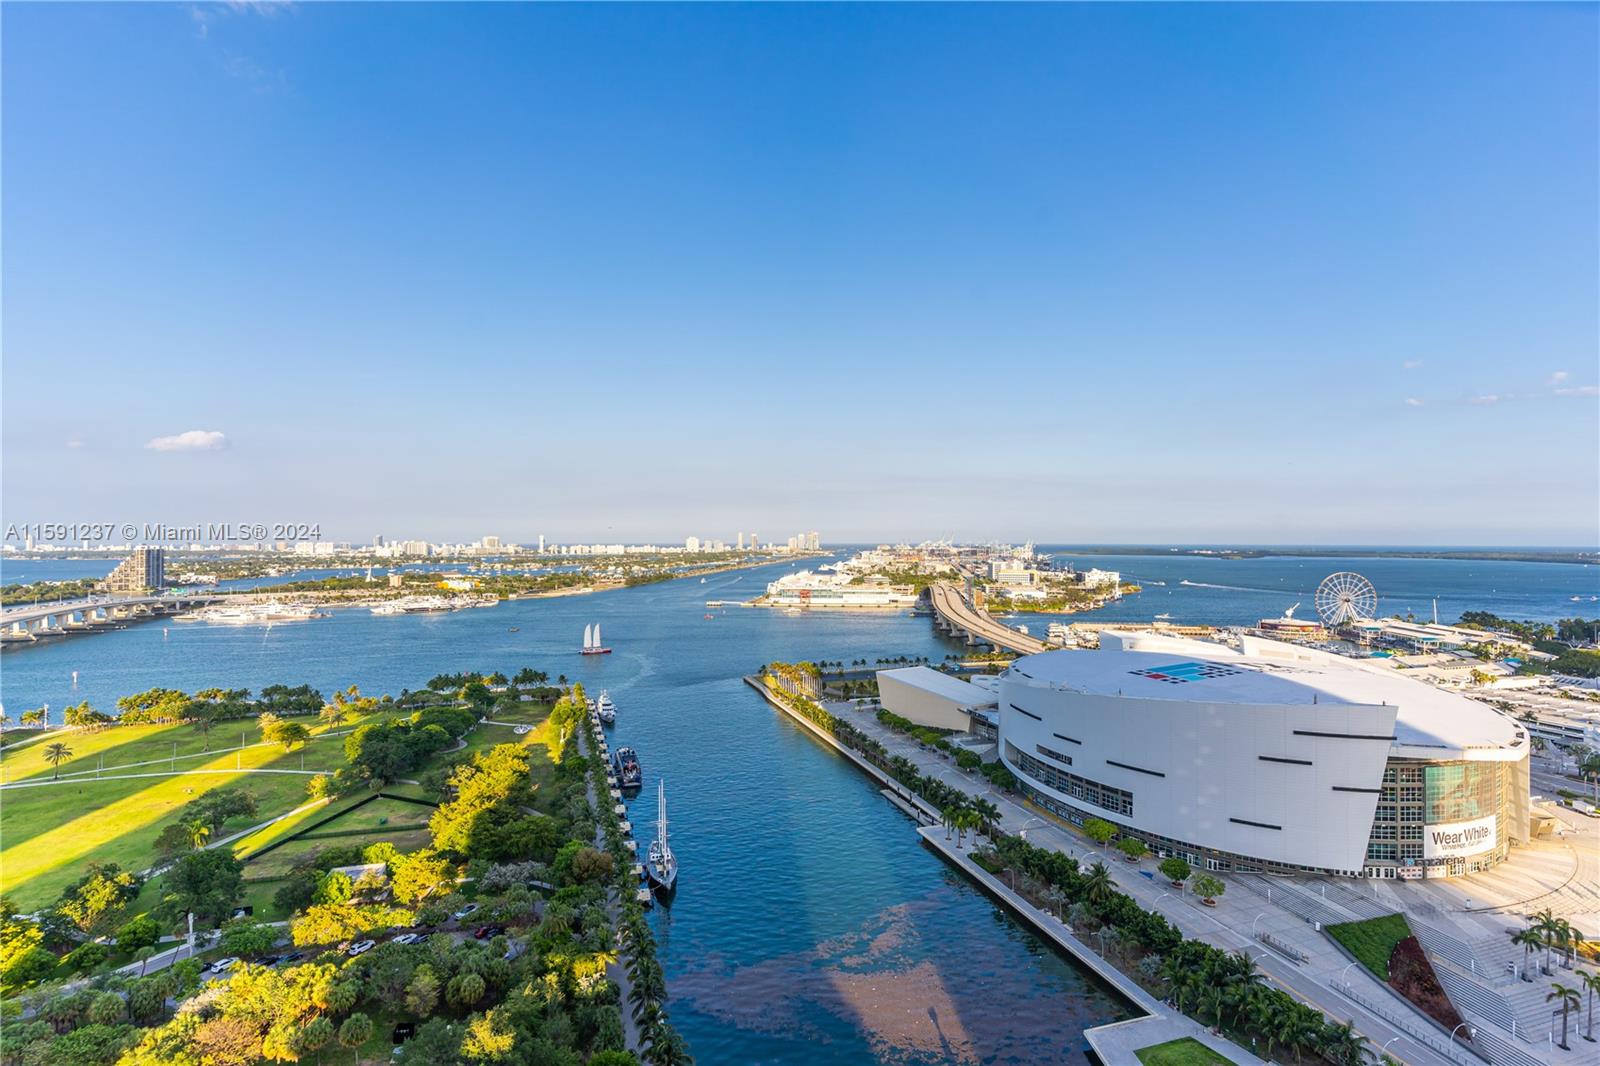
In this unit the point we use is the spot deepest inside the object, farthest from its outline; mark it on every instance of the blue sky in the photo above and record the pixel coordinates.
(1269, 273)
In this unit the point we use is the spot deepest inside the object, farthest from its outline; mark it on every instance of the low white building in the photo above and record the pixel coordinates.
(928, 697)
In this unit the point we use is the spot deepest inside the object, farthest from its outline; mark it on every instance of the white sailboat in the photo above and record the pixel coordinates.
(591, 641)
(661, 866)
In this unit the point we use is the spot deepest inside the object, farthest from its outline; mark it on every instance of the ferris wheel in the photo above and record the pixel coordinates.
(1344, 598)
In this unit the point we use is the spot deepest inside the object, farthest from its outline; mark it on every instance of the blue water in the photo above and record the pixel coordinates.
(810, 925)
(1243, 591)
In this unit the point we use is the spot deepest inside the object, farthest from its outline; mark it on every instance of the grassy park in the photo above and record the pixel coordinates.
(1183, 1052)
(1372, 942)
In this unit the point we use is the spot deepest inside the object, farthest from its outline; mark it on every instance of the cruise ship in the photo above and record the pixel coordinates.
(605, 709)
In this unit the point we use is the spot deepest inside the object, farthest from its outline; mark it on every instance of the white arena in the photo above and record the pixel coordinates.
(1272, 758)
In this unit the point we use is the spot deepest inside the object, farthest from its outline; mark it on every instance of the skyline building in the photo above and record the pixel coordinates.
(143, 571)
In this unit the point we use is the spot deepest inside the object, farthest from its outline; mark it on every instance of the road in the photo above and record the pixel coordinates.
(949, 604)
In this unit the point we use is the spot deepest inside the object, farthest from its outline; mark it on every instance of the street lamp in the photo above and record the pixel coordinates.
(1384, 1050)
(1470, 1032)
(1345, 972)
(1253, 922)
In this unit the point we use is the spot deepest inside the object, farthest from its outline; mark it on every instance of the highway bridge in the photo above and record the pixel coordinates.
(32, 622)
(955, 615)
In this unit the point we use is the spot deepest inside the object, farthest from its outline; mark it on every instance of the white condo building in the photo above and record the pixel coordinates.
(1271, 758)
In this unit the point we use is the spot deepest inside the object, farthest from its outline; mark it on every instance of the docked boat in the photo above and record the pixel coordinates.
(661, 866)
(254, 614)
(626, 763)
(605, 710)
(591, 641)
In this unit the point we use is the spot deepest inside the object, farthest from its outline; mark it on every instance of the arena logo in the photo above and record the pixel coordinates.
(1183, 673)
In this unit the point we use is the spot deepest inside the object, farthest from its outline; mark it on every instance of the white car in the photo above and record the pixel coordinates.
(224, 965)
(466, 911)
(361, 947)
(406, 938)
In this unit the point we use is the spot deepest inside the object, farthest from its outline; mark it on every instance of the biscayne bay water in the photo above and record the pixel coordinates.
(810, 925)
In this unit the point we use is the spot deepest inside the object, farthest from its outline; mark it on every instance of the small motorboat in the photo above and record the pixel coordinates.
(626, 764)
(605, 710)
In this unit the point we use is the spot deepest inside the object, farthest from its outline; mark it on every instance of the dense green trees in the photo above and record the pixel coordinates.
(205, 883)
(95, 902)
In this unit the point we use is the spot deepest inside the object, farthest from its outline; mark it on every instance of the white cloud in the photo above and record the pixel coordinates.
(1579, 390)
(1412, 364)
(76, 443)
(1412, 401)
(1486, 400)
(194, 440)
(1558, 377)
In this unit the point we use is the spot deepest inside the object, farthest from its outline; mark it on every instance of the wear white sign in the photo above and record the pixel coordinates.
(1458, 839)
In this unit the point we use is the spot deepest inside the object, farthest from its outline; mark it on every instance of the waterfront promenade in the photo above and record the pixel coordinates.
(1115, 1042)
(1325, 981)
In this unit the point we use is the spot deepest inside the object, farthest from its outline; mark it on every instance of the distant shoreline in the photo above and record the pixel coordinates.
(1502, 555)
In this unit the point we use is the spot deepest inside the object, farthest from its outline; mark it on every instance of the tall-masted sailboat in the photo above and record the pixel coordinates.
(591, 641)
(661, 866)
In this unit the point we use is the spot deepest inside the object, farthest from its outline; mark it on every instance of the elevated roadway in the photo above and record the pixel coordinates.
(26, 623)
(958, 616)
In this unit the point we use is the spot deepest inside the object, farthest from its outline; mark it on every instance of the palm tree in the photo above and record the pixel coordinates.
(1569, 1000)
(1591, 982)
(1590, 767)
(1528, 940)
(55, 755)
(1545, 924)
(199, 832)
(988, 813)
(1343, 1044)
(1097, 885)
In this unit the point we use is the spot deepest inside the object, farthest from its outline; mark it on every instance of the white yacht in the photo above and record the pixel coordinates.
(661, 866)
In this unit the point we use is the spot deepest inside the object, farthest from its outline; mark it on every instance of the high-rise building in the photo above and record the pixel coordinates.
(541, 543)
(741, 542)
(491, 543)
(755, 541)
(813, 541)
(377, 541)
(143, 571)
(691, 544)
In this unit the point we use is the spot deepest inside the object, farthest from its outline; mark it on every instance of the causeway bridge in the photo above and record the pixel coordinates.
(956, 616)
(29, 623)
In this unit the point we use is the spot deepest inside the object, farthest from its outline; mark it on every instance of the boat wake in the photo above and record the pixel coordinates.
(1234, 588)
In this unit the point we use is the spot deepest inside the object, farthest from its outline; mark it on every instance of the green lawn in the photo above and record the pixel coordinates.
(1372, 941)
(49, 832)
(1183, 1052)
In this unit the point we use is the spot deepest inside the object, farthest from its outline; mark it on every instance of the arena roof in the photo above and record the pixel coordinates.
(1269, 673)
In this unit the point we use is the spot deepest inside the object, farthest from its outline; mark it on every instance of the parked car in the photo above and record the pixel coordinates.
(270, 960)
(361, 947)
(406, 938)
(224, 965)
(466, 911)
(293, 957)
